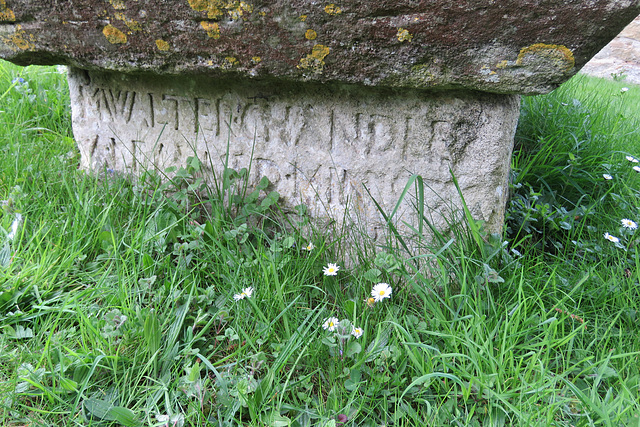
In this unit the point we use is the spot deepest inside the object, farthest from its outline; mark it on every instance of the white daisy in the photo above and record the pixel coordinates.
(636, 168)
(607, 176)
(246, 293)
(381, 291)
(330, 324)
(331, 269)
(309, 247)
(356, 332)
(624, 89)
(611, 238)
(632, 159)
(627, 223)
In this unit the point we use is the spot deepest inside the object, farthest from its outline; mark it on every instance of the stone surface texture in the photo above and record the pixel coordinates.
(318, 144)
(620, 58)
(501, 46)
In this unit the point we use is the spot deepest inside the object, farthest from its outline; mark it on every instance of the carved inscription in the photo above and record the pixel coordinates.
(316, 148)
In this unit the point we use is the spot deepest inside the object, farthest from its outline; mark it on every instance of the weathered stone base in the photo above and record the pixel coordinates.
(318, 144)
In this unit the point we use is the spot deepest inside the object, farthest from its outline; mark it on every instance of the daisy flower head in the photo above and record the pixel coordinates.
(611, 238)
(331, 269)
(636, 168)
(309, 247)
(381, 291)
(632, 159)
(607, 176)
(627, 223)
(330, 324)
(246, 293)
(371, 301)
(356, 332)
(624, 89)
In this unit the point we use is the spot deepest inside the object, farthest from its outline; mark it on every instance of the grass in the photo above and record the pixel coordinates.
(117, 298)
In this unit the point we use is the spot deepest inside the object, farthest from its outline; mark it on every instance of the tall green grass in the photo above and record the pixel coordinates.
(121, 302)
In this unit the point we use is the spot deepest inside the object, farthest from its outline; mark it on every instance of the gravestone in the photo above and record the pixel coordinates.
(330, 101)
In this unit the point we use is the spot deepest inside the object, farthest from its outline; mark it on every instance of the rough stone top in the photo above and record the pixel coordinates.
(504, 46)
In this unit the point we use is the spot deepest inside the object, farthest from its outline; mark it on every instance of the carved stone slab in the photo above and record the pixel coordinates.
(504, 46)
(318, 144)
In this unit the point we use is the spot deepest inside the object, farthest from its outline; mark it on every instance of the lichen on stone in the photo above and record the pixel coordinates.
(6, 14)
(332, 9)
(404, 35)
(559, 56)
(20, 39)
(162, 45)
(315, 60)
(310, 34)
(212, 29)
(114, 35)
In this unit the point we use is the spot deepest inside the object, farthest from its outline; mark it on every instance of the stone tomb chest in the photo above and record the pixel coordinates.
(322, 98)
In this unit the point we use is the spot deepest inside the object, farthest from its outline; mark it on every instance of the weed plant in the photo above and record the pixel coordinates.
(163, 304)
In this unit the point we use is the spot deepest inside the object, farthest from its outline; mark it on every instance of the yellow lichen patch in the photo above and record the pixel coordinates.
(130, 23)
(6, 14)
(332, 9)
(560, 56)
(256, 60)
(230, 62)
(162, 45)
(237, 9)
(212, 29)
(315, 60)
(20, 39)
(118, 4)
(310, 34)
(502, 64)
(215, 8)
(404, 35)
(114, 35)
(303, 18)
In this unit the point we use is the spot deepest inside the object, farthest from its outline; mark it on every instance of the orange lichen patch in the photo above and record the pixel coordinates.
(20, 39)
(256, 60)
(315, 60)
(114, 35)
(560, 56)
(162, 45)
(310, 34)
(212, 29)
(404, 35)
(6, 14)
(332, 9)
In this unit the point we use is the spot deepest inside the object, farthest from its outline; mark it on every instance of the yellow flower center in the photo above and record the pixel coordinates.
(381, 293)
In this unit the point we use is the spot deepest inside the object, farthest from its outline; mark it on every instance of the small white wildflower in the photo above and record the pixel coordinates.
(330, 324)
(381, 291)
(356, 332)
(627, 223)
(611, 238)
(246, 293)
(309, 247)
(624, 89)
(636, 168)
(331, 269)
(607, 176)
(632, 159)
